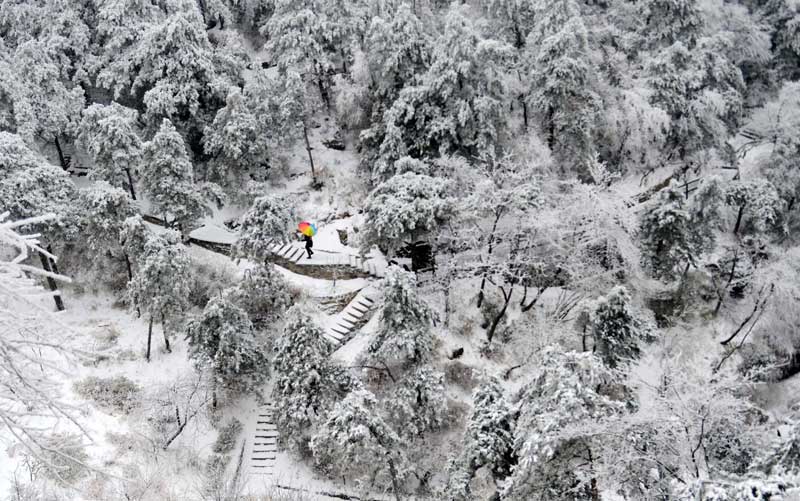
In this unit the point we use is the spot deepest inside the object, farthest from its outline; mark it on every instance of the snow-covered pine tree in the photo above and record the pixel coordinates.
(264, 295)
(103, 210)
(417, 403)
(402, 209)
(515, 18)
(168, 179)
(109, 135)
(616, 329)
(759, 200)
(133, 236)
(355, 441)
(702, 92)
(270, 218)
(666, 234)
(223, 341)
(670, 21)
(16, 155)
(488, 440)
(404, 333)
(160, 285)
(256, 121)
(561, 415)
(307, 383)
(561, 72)
(45, 106)
(458, 105)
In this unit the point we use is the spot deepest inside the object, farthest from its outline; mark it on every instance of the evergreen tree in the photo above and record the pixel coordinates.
(160, 286)
(356, 441)
(417, 404)
(514, 17)
(666, 234)
(560, 410)
(133, 236)
(15, 155)
(168, 179)
(701, 90)
(459, 104)
(108, 134)
(264, 295)
(270, 218)
(403, 209)
(222, 340)
(670, 21)
(561, 75)
(488, 440)
(307, 383)
(103, 210)
(759, 200)
(616, 329)
(404, 333)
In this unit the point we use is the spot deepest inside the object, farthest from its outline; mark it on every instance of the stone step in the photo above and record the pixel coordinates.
(266, 434)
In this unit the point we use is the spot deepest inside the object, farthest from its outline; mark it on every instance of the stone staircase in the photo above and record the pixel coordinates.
(262, 448)
(350, 266)
(354, 315)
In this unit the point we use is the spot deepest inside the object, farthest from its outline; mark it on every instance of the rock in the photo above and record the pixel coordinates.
(342, 236)
(456, 353)
(334, 143)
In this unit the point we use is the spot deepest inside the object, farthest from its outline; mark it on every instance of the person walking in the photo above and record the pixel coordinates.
(309, 245)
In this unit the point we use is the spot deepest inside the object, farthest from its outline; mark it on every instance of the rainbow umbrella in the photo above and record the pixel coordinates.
(307, 229)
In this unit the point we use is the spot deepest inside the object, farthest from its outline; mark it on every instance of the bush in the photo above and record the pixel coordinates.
(460, 374)
(226, 440)
(118, 394)
(207, 279)
(63, 466)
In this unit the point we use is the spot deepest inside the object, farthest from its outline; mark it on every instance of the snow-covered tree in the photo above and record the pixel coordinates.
(668, 234)
(759, 200)
(417, 403)
(561, 415)
(458, 105)
(168, 179)
(514, 17)
(702, 92)
(165, 56)
(133, 236)
(160, 285)
(44, 105)
(560, 86)
(104, 210)
(16, 155)
(488, 440)
(403, 209)
(670, 21)
(222, 340)
(264, 295)
(270, 218)
(616, 328)
(307, 383)
(404, 333)
(34, 349)
(108, 134)
(254, 123)
(355, 441)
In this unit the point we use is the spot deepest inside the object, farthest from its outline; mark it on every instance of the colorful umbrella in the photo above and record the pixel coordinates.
(307, 229)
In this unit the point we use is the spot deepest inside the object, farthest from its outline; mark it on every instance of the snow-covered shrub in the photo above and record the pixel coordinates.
(417, 404)
(62, 458)
(264, 295)
(226, 440)
(208, 279)
(117, 394)
(460, 374)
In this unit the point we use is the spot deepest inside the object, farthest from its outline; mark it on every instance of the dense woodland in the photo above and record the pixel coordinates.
(609, 189)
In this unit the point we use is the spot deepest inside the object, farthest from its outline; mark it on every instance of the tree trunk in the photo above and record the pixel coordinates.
(310, 158)
(498, 215)
(393, 473)
(164, 331)
(496, 321)
(128, 266)
(721, 294)
(61, 159)
(739, 219)
(149, 338)
(524, 111)
(526, 307)
(51, 281)
(130, 183)
(344, 62)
